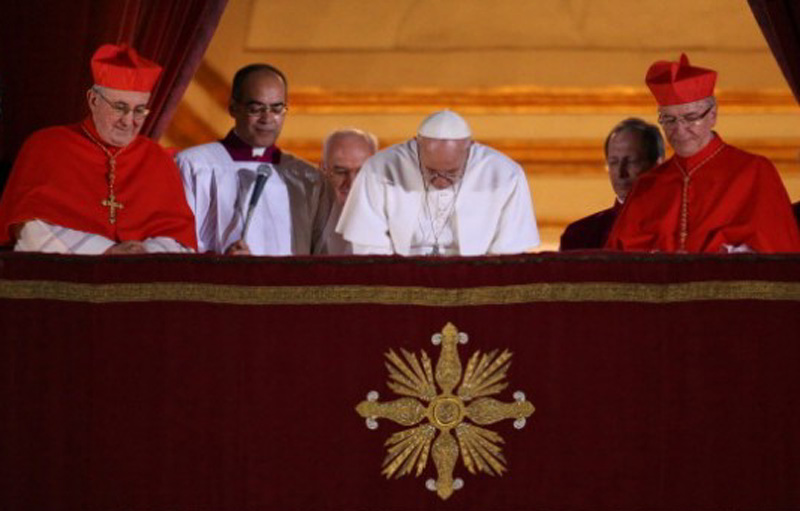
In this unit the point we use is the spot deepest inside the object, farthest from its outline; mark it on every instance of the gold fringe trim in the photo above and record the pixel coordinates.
(399, 295)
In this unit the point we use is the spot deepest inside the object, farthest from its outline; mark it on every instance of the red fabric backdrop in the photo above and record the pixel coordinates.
(780, 23)
(200, 383)
(175, 34)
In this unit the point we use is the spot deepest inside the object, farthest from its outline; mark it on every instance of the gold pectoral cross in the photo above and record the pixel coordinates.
(111, 203)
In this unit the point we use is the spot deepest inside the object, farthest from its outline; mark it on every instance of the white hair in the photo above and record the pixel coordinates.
(370, 139)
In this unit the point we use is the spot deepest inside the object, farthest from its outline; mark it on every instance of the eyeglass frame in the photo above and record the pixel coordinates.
(122, 109)
(674, 121)
(428, 175)
(257, 109)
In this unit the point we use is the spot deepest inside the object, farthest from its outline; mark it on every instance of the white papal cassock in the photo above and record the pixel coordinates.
(390, 210)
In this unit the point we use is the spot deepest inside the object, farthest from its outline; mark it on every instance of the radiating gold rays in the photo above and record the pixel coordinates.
(446, 412)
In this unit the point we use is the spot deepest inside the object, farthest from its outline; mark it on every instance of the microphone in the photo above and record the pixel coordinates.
(262, 174)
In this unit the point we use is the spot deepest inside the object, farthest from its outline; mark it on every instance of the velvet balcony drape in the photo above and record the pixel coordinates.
(780, 23)
(45, 48)
(230, 384)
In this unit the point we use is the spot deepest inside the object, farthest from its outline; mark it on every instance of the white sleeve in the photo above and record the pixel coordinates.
(364, 222)
(743, 248)
(199, 208)
(163, 244)
(371, 250)
(39, 236)
(516, 231)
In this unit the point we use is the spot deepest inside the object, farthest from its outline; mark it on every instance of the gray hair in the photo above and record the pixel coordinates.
(370, 139)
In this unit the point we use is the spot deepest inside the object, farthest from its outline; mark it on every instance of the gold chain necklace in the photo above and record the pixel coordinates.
(687, 177)
(109, 202)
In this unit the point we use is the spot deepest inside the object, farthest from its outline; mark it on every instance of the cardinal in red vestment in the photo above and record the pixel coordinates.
(710, 196)
(98, 187)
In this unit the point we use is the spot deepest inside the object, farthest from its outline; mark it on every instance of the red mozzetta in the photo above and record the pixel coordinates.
(730, 197)
(61, 177)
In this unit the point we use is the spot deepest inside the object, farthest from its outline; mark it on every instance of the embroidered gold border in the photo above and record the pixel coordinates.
(399, 295)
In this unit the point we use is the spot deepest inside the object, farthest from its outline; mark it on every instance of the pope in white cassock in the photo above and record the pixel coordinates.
(440, 193)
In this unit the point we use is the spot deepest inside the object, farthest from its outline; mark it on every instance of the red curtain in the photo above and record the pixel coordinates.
(780, 23)
(174, 34)
(46, 47)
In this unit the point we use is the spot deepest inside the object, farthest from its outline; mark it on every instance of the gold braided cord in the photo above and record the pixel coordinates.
(400, 295)
(687, 179)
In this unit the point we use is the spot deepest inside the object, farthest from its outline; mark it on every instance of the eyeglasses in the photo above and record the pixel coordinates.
(256, 109)
(122, 109)
(669, 122)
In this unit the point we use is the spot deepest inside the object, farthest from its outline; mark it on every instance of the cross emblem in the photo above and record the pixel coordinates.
(112, 205)
(445, 408)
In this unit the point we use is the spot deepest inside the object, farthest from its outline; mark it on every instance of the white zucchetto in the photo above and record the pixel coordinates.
(444, 125)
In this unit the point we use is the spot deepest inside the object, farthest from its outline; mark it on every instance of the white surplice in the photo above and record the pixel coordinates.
(40, 236)
(385, 212)
(289, 217)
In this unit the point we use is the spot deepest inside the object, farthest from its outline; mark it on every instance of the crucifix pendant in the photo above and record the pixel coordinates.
(109, 202)
(112, 205)
(435, 251)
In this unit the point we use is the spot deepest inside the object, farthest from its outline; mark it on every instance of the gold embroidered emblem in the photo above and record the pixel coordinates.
(429, 410)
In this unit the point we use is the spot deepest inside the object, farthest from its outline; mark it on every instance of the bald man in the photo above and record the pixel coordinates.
(440, 193)
(343, 153)
(288, 211)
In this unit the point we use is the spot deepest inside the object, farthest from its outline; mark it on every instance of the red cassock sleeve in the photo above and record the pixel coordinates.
(737, 198)
(60, 176)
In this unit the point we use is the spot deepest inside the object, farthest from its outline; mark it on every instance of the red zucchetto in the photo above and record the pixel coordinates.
(676, 83)
(120, 67)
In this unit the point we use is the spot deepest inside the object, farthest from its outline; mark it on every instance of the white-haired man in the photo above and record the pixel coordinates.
(343, 153)
(440, 193)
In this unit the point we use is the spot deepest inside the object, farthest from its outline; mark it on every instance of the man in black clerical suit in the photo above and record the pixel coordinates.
(632, 147)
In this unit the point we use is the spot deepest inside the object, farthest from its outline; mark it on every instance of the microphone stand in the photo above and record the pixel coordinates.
(262, 174)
